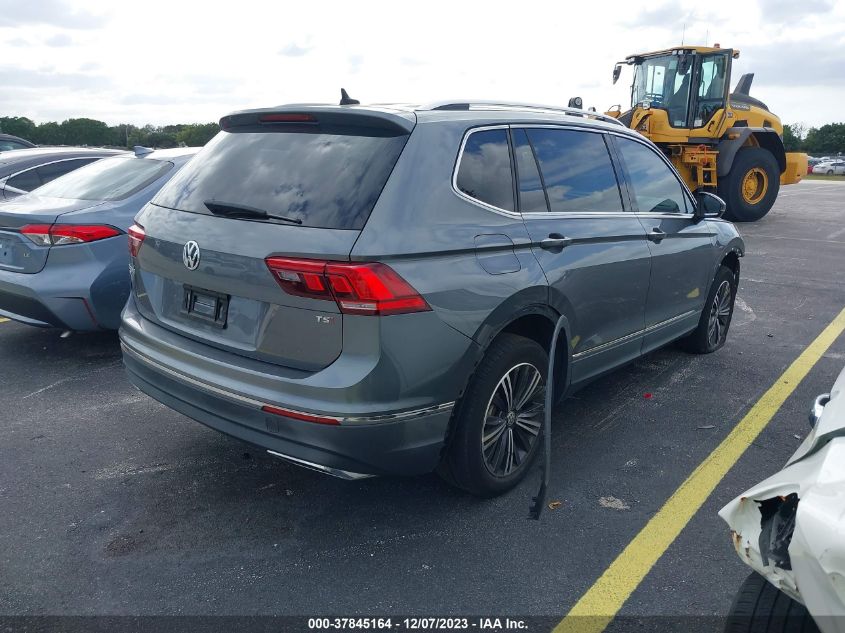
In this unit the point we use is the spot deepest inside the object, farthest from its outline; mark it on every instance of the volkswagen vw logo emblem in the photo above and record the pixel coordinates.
(191, 255)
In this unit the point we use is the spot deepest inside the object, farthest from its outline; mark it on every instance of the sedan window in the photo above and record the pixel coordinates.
(10, 145)
(107, 179)
(51, 171)
(25, 181)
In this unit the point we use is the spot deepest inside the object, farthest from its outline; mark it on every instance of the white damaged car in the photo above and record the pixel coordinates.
(790, 529)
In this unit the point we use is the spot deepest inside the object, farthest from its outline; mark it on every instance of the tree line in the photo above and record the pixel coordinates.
(83, 131)
(826, 140)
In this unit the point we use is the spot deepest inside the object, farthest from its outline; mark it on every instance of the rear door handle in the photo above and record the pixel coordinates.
(656, 235)
(555, 241)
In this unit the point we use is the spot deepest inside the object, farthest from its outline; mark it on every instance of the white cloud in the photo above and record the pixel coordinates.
(59, 40)
(164, 62)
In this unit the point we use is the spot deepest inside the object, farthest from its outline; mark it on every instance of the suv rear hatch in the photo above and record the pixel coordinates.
(279, 183)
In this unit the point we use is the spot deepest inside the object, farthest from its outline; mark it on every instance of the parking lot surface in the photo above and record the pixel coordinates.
(112, 504)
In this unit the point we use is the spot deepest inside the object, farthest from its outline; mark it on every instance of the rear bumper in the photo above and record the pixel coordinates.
(408, 444)
(392, 416)
(82, 287)
(21, 299)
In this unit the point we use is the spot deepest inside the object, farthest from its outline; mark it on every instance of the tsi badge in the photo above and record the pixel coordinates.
(324, 320)
(191, 255)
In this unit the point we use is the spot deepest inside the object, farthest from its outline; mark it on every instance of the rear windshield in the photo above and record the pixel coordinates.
(319, 178)
(106, 179)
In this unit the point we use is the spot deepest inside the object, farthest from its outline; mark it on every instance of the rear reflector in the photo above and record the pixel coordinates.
(371, 288)
(136, 238)
(60, 234)
(296, 415)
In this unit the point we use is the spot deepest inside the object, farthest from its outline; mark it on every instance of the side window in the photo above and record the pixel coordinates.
(25, 181)
(531, 195)
(655, 187)
(10, 145)
(485, 169)
(577, 170)
(54, 170)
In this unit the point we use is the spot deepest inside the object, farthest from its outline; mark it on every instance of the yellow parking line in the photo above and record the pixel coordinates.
(600, 604)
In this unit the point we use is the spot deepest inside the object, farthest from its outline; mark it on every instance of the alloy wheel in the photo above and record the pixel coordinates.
(513, 419)
(720, 315)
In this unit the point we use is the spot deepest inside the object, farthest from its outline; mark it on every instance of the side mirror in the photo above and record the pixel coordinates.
(708, 205)
(617, 70)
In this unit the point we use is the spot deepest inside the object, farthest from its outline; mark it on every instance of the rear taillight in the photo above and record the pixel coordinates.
(371, 288)
(37, 233)
(136, 238)
(60, 234)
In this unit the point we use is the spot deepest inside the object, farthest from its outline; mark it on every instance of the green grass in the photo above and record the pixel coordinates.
(823, 177)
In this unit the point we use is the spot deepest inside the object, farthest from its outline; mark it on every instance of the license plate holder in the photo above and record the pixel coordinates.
(206, 305)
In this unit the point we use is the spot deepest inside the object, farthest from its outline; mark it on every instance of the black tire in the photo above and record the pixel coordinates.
(829, 172)
(759, 607)
(730, 188)
(701, 340)
(465, 462)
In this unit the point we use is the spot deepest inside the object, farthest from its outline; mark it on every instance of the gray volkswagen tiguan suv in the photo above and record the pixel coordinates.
(373, 290)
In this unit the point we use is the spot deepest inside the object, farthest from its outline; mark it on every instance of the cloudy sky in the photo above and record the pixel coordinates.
(160, 62)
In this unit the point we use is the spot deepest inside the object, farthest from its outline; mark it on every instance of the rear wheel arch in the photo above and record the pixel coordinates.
(540, 327)
(537, 323)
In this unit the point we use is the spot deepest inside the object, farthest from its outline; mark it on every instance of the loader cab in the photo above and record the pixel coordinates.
(690, 84)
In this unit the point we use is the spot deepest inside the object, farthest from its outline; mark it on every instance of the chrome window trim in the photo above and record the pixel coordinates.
(536, 215)
(456, 169)
(631, 336)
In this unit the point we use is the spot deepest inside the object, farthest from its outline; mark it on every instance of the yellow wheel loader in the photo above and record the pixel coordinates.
(725, 142)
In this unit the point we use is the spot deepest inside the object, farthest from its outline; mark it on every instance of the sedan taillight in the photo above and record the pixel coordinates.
(136, 238)
(61, 234)
(370, 288)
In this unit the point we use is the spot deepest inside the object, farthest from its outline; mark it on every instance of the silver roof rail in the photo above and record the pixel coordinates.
(498, 105)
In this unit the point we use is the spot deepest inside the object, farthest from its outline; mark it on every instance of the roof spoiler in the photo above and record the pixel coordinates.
(140, 150)
(313, 116)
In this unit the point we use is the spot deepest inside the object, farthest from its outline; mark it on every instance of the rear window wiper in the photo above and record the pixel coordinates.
(234, 211)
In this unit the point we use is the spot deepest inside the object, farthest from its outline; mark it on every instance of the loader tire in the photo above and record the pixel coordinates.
(751, 186)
